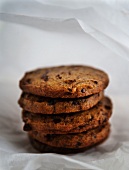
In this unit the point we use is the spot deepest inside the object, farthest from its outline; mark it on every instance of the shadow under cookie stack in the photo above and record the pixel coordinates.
(64, 108)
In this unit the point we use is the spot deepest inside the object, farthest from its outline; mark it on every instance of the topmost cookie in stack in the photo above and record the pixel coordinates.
(64, 108)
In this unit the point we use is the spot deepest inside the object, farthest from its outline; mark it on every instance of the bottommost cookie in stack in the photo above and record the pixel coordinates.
(69, 143)
(69, 133)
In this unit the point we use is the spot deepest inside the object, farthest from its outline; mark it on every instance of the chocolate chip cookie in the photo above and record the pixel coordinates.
(79, 140)
(73, 122)
(43, 148)
(65, 81)
(39, 104)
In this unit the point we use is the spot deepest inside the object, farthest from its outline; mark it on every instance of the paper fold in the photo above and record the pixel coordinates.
(97, 24)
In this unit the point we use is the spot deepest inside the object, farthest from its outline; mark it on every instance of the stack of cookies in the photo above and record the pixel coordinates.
(64, 108)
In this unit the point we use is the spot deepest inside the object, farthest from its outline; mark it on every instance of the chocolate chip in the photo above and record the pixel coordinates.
(94, 135)
(58, 76)
(105, 120)
(89, 87)
(72, 119)
(78, 144)
(57, 120)
(107, 107)
(69, 89)
(69, 81)
(95, 82)
(83, 90)
(28, 81)
(44, 77)
(27, 127)
(69, 73)
(99, 121)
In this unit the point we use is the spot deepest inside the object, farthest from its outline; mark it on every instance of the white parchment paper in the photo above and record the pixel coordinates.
(37, 33)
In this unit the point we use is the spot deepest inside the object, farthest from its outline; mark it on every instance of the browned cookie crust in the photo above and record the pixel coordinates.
(79, 140)
(79, 129)
(91, 118)
(65, 81)
(43, 148)
(39, 104)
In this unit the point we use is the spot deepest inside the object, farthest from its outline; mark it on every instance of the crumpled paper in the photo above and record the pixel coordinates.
(35, 33)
